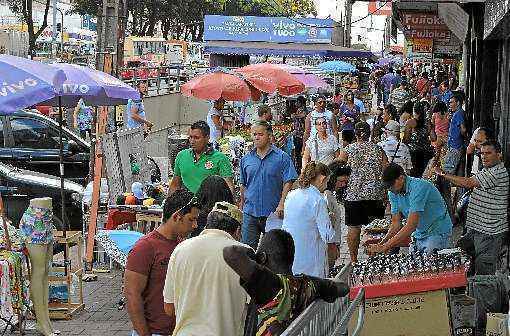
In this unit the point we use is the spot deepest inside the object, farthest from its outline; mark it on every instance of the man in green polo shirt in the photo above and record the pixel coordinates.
(193, 165)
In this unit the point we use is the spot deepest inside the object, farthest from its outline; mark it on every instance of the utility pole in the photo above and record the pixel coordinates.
(107, 33)
(348, 22)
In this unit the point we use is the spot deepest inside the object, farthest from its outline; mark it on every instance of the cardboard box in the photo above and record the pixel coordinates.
(418, 314)
(462, 312)
(497, 325)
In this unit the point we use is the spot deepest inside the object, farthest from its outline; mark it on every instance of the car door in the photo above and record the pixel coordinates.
(35, 145)
(15, 196)
(5, 150)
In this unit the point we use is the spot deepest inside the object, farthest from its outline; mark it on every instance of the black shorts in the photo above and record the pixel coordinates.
(359, 213)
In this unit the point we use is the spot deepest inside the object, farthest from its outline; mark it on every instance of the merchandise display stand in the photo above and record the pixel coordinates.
(66, 310)
(12, 261)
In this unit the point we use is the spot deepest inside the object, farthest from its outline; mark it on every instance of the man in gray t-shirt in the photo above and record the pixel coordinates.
(487, 208)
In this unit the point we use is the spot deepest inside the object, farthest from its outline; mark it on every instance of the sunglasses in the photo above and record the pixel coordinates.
(193, 203)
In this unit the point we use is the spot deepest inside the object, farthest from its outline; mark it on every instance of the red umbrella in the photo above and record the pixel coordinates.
(220, 84)
(270, 78)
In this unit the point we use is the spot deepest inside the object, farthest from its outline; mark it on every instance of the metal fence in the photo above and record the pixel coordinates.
(161, 79)
(328, 319)
(120, 150)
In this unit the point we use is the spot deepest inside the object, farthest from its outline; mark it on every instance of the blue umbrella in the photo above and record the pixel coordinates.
(97, 88)
(337, 67)
(118, 243)
(24, 82)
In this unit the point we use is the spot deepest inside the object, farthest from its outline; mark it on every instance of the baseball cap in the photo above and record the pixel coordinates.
(228, 209)
(392, 126)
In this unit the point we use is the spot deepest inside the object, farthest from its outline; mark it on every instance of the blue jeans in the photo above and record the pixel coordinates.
(251, 229)
(452, 160)
(386, 97)
(431, 243)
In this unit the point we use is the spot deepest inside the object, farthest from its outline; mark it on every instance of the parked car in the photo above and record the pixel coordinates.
(30, 140)
(19, 186)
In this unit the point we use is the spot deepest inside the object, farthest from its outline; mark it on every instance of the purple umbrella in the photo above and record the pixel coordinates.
(312, 81)
(25, 83)
(95, 87)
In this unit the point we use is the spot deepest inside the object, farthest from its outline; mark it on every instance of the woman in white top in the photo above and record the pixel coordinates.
(307, 219)
(214, 120)
(323, 147)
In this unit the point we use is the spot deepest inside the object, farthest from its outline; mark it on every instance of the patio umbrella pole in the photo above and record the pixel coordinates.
(62, 193)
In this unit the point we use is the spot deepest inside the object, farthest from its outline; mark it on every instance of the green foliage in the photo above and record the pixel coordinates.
(183, 19)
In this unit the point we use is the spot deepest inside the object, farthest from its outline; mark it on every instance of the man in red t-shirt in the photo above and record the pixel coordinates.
(147, 264)
(423, 85)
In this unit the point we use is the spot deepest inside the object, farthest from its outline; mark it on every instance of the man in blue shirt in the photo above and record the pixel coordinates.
(456, 134)
(427, 219)
(359, 103)
(446, 94)
(135, 110)
(266, 176)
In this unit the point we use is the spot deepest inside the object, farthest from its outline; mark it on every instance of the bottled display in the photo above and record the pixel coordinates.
(387, 268)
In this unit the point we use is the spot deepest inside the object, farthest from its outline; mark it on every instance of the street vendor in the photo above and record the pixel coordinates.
(419, 201)
(195, 164)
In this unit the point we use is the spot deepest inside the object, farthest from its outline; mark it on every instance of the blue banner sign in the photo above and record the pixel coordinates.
(267, 29)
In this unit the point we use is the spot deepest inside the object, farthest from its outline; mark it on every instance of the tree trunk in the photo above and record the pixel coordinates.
(29, 19)
(134, 27)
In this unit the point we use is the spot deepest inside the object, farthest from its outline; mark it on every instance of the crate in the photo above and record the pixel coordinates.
(146, 223)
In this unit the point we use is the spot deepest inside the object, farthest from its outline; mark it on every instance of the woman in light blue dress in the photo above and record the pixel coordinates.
(307, 219)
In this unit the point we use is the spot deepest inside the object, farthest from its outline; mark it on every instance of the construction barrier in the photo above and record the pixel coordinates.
(327, 319)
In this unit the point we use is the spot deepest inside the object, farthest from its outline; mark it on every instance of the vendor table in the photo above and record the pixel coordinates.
(146, 219)
(409, 294)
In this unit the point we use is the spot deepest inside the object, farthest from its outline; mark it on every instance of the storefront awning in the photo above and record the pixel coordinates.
(284, 49)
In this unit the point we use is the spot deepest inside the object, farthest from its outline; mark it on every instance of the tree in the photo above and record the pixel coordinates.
(183, 19)
(24, 9)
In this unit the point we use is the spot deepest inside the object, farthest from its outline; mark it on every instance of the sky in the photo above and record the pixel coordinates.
(373, 36)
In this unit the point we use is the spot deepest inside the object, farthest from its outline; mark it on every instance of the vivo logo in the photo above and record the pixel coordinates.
(75, 88)
(11, 88)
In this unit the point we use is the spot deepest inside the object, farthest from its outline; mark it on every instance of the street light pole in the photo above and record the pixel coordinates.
(61, 33)
(54, 31)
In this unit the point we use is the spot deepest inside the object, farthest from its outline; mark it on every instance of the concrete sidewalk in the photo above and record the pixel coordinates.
(101, 316)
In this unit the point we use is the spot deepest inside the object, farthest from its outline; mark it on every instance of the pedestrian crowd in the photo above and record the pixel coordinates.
(247, 259)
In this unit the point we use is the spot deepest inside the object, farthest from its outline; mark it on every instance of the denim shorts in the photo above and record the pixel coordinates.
(431, 243)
